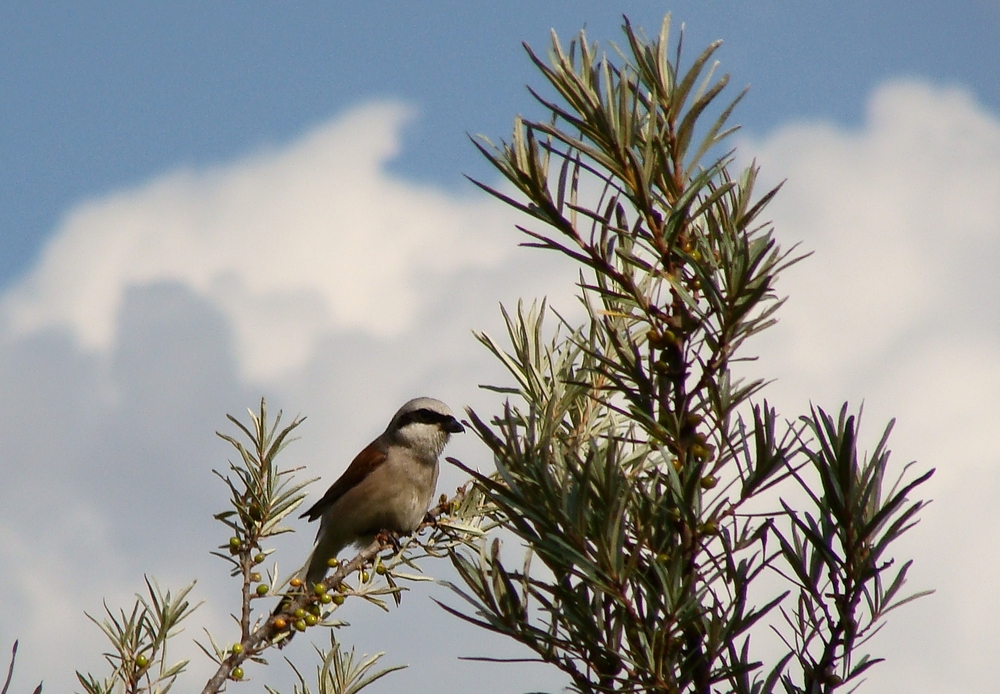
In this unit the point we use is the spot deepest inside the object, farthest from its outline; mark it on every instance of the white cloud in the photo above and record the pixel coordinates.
(156, 310)
(290, 244)
(898, 308)
(899, 214)
(310, 269)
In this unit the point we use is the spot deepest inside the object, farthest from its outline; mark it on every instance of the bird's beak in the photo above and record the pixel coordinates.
(453, 426)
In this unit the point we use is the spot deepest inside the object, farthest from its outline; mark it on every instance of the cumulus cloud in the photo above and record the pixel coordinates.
(309, 274)
(305, 273)
(290, 244)
(898, 308)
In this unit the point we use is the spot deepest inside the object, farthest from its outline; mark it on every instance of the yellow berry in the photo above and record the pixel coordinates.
(658, 340)
(259, 558)
(300, 625)
(262, 589)
(338, 599)
(332, 562)
(698, 451)
(255, 576)
(141, 660)
(237, 648)
(237, 673)
(365, 576)
(319, 589)
(710, 528)
(311, 620)
(299, 613)
(380, 569)
(326, 598)
(709, 481)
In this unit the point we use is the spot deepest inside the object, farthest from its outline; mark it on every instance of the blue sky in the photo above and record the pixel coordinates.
(205, 203)
(98, 98)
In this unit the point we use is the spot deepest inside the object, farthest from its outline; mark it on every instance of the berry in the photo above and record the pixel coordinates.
(237, 648)
(237, 673)
(300, 625)
(365, 577)
(380, 569)
(295, 583)
(311, 620)
(338, 599)
(326, 598)
(709, 481)
(280, 623)
(693, 420)
(262, 589)
(234, 543)
(710, 528)
(259, 558)
(319, 589)
(141, 661)
(332, 562)
(299, 613)
(255, 576)
(699, 451)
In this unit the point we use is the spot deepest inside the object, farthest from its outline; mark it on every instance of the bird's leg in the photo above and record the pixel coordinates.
(389, 538)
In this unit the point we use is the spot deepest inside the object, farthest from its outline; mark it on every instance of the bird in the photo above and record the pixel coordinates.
(387, 487)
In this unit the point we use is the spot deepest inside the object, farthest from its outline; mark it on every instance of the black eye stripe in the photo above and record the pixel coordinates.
(423, 416)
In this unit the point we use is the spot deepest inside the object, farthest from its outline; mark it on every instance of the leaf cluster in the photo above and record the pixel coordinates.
(836, 553)
(262, 494)
(139, 643)
(632, 460)
(338, 673)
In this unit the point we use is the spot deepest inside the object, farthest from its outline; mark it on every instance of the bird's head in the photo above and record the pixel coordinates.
(424, 424)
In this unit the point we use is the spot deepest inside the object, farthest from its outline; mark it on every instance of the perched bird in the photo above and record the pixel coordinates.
(388, 486)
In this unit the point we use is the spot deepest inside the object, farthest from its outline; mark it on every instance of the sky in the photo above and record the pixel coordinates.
(201, 205)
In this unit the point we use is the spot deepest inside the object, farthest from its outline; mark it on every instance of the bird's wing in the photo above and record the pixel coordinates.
(363, 465)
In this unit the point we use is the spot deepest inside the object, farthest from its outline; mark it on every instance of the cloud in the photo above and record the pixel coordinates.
(305, 273)
(309, 274)
(898, 308)
(290, 244)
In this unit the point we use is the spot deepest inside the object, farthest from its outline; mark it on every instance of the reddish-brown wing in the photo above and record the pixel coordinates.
(363, 464)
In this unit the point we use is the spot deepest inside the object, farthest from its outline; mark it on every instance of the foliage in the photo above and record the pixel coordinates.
(338, 674)
(139, 641)
(10, 673)
(634, 463)
(262, 495)
(652, 490)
